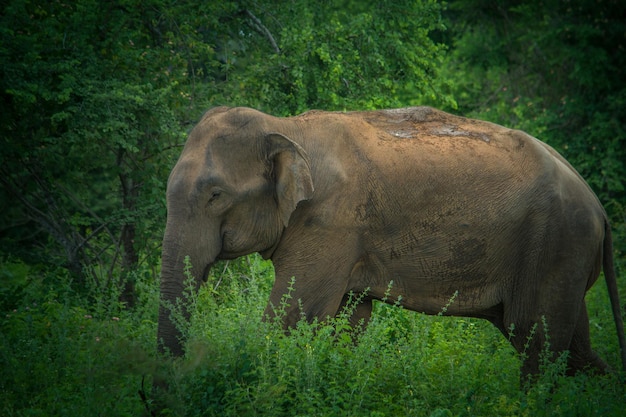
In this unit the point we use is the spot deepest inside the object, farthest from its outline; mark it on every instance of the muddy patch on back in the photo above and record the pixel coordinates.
(455, 131)
(413, 122)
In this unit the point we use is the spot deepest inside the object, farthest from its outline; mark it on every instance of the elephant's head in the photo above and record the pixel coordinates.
(231, 193)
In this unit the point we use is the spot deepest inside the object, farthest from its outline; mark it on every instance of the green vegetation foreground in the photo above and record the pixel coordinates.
(65, 355)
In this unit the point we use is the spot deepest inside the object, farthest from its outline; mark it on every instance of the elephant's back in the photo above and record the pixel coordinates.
(446, 155)
(426, 124)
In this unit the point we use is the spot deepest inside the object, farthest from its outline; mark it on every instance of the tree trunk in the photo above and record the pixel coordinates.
(130, 258)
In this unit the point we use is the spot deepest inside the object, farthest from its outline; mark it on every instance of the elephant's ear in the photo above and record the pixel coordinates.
(291, 171)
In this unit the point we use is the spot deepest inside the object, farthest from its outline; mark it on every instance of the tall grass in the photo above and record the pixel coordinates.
(63, 353)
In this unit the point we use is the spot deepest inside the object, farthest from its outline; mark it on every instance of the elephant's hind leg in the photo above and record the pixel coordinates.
(529, 340)
(581, 356)
(543, 337)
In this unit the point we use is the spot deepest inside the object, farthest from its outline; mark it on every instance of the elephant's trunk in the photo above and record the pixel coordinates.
(173, 278)
(168, 335)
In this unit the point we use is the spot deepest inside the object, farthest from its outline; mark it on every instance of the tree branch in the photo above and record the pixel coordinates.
(52, 221)
(258, 25)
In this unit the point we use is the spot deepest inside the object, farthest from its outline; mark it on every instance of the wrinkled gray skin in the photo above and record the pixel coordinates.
(436, 203)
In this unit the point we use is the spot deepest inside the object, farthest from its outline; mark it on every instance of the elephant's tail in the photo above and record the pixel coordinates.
(611, 283)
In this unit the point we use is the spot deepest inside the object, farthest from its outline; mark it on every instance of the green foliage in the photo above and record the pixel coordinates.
(94, 96)
(402, 364)
(63, 353)
(289, 57)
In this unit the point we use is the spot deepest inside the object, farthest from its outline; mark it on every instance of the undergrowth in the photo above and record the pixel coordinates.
(64, 353)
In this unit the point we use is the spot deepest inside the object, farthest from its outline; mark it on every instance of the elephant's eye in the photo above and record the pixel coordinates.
(215, 194)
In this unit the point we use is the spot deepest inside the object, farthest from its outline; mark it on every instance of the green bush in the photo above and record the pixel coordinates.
(403, 364)
(65, 353)
(62, 353)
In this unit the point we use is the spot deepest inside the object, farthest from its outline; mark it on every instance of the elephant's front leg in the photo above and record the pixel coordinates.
(291, 303)
(359, 310)
(313, 291)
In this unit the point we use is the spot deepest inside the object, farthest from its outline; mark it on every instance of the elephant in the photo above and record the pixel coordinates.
(443, 206)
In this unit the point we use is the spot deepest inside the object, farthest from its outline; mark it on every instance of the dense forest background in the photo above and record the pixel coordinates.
(97, 99)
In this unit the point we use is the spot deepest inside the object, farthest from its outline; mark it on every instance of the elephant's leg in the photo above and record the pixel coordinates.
(360, 313)
(528, 342)
(551, 337)
(548, 315)
(542, 337)
(312, 296)
(581, 356)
